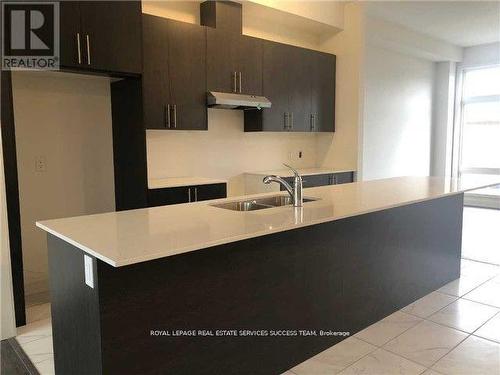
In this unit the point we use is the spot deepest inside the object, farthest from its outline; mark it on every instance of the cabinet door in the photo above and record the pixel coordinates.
(299, 88)
(313, 180)
(275, 85)
(187, 76)
(212, 191)
(70, 34)
(322, 92)
(113, 30)
(316, 180)
(163, 197)
(249, 64)
(343, 178)
(222, 60)
(155, 89)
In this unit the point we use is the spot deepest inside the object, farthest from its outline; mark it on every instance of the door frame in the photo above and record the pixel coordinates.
(12, 196)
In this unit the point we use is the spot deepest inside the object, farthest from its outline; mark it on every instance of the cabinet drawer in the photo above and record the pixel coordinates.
(343, 178)
(162, 197)
(185, 194)
(316, 180)
(213, 191)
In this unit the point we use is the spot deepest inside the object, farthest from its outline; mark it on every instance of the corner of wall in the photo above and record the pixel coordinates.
(342, 149)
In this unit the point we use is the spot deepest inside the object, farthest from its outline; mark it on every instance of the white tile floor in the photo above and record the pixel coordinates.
(485, 247)
(36, 338)
(454, 330)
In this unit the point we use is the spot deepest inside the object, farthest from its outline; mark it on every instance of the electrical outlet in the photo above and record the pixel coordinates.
(40, 164)
(89, 271)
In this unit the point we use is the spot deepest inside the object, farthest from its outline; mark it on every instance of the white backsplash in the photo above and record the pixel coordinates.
(225, 150)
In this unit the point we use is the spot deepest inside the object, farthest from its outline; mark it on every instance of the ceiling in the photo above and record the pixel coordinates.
(463, 23)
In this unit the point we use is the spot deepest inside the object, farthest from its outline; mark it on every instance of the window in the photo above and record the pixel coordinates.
(480, 140)
(479, 144)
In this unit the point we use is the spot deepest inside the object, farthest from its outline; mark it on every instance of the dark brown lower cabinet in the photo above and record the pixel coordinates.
(324, 179)
(185, 194)
(342, 178)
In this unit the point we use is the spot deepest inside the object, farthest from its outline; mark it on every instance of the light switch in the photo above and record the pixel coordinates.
(89, 271)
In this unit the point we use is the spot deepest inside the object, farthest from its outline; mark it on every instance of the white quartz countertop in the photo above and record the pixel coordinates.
(169, 182)
(128, 237)
(302, 172)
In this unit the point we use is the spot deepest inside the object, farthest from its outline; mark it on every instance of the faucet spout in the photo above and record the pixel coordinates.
(279, 180)
(295, 191)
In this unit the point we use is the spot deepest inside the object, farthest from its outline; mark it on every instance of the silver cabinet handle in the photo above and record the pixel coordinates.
(196, 194)
(313, 122)
(235, 84)
(285, 121)
(189, 195)
(167, 115)
(88, 48)
(239, 80)
(291, 121)
(175, 115)
(78, 44)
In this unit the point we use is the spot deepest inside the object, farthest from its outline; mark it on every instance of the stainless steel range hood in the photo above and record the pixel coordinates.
(236, 101)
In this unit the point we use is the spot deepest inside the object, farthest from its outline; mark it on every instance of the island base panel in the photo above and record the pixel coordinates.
(337, 276)
(76, 332)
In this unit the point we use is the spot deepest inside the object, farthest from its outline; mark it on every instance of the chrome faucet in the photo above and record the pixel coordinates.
(295, 191)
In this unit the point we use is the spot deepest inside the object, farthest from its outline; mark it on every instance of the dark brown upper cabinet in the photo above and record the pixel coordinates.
(101, 36)
(298, 77)
(300, 84)
(174, 75)
(322, 91)
(234, 62)
(287, 84)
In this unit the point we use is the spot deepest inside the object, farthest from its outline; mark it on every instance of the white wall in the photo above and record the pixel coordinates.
(397, 114)
(327, 12)
(481, 55)
(225, 151)
(397, 38)
(442, 119)
(66, 119)
(340, 149)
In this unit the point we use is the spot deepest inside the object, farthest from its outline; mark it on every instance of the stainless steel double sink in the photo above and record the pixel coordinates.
(260, 203)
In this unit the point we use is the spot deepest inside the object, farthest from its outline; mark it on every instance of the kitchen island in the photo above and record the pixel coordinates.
(198, 289)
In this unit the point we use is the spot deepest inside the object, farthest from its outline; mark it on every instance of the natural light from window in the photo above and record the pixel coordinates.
(480, 151)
